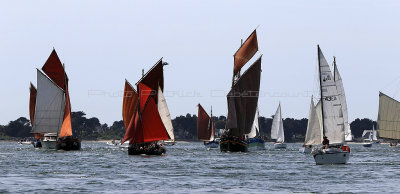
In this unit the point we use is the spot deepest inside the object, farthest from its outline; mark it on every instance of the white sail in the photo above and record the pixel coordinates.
(374, 133)
(342, 97)
(388, 117)
(50, 104)
(164, 114)
(313, 133)
(255, 128)
(277, 131)
(333, 125)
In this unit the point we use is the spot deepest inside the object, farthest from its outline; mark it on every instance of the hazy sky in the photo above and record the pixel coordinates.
(104, 42)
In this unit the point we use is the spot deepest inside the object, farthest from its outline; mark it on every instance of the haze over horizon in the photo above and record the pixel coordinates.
(102, 43)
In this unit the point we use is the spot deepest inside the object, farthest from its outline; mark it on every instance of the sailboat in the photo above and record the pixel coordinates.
(242, 98)
(145, 124)
(388, 119)
(348, 136)
(52, 108)
(256, 142)
(206, 128)
(334, 151)
(277, 130)
(314, 132)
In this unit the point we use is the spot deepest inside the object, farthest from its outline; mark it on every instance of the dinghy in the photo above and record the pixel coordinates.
(242, 98)
(277, 130)
(52, 108)
(145, 124)
(334, 152)
(206, 129)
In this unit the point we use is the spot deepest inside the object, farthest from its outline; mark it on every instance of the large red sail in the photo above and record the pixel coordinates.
(203, 125)
(129, 104)
(144, 94)
(245, 52)
(32, 103)
(55, 70)
(154, 77)
(152, 128)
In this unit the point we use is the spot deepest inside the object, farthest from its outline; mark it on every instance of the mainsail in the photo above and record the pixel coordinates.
(333, 126)
(165, 115)
(277, 130)
(242, 101)
(314, 133)
(388, 117)
(50, 104)
(204, 125)
(342, 97)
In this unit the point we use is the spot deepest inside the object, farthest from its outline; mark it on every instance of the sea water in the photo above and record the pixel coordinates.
(190, 167)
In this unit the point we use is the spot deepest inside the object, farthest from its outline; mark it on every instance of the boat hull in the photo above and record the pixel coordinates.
(68, 143)
(37, 144)
(137, 150)
(49, 144)
(256, 144)
(367, 145)
(337, 156)
(233, 144)
(211, 144)
(280, 146)
(168, 143)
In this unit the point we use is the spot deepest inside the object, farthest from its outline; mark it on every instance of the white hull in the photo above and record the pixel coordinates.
(168, 142)
(368, 144)
(280, 146)
(49, 144)
(26, 143)
(305, 150)
(124, 145)
(331, 156)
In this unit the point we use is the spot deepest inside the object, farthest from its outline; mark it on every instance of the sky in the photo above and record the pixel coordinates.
(102, 43)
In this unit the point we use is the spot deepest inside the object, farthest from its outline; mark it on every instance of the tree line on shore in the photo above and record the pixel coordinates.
(185, 128)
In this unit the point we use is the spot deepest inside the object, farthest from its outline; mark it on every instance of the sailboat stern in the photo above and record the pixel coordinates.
(68, 143)
(233, 144)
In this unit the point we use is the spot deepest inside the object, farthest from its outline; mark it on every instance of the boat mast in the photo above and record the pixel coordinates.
(320, 88)
(334, 68)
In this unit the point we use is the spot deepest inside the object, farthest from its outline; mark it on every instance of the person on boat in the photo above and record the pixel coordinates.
(325, 143)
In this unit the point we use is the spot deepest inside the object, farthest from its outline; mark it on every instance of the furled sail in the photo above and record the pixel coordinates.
(242, 101)
(255, 128)
(50, 105)
(32, 103)
(388, 117)
(313, 133)
(333, 126)
(342, 96)
(245, 52)
(204, 125)
(277, 131)
(164, 114)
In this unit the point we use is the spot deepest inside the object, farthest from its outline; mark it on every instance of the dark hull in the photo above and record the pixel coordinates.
(37, 144)
(233, 144)
(68, 143)
(134, 150)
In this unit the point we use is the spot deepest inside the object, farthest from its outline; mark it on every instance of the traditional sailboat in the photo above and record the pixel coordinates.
(242, 98)
(333, 150)
(314, 132)
(388, 119)
(206, 128)
(277, 130)
(256, 141)
(145, 113)
(52, 108)
(348, 136)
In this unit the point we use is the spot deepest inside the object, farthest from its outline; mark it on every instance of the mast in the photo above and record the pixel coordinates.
(334, 67)
(320, 88)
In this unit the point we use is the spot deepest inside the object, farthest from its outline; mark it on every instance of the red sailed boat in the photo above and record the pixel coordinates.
(206, 128)
(144, 123)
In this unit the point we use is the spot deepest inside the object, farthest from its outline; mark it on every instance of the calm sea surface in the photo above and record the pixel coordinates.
(189, 167)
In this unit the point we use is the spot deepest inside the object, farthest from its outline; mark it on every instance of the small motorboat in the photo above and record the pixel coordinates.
(25, 142)
(367, 144)
(279, 145)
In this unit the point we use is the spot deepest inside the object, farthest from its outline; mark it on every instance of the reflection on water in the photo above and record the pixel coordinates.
(189, 167)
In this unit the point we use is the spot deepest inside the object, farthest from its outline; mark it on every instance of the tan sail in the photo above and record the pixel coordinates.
(388, 117)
